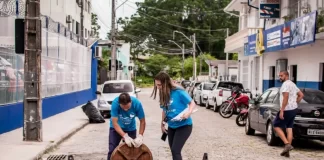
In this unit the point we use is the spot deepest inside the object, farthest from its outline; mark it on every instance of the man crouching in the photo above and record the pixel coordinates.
(124, 109)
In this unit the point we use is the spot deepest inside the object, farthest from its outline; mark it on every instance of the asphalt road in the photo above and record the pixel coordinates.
(220, 138)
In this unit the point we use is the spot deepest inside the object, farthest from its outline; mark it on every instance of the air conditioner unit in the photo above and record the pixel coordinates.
(69, 19)
(98, 52)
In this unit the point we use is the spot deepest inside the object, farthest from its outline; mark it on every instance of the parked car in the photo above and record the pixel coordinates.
(309, 122)
(220, 93)
(192, 88)
(111, 90)
(201, 92)
(185, 83)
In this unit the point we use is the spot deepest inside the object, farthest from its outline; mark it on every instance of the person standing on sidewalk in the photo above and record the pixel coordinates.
(290, 95)
(174, 100)
(124, 109)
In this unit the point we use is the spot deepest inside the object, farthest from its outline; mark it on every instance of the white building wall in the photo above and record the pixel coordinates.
(58, 10)
(307, 58)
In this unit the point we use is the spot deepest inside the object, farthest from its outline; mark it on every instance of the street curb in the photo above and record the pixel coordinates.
(59, 141)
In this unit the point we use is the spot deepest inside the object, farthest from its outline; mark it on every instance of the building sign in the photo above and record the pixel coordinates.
(251, 44)
(272, 39)
(285, 41)
(303, 30)
(269, 9)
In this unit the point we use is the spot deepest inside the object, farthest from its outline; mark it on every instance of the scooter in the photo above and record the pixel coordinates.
(235, 103)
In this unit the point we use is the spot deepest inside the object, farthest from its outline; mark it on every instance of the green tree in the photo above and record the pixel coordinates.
(95, 27)
(159, 62)
(155, 20)
(188, 64)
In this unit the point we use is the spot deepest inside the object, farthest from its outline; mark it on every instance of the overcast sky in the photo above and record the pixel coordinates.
(103, 9)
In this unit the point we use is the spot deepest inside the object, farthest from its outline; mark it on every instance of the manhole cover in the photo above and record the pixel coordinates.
(60, 157)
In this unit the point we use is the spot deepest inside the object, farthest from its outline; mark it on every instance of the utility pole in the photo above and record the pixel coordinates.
(113, 71)
(32, 130)
(200, 65)
(194, 57)
(226, 69)
(183, 52)
(81, 21)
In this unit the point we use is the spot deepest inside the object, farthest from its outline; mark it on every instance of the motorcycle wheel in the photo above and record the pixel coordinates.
(225, 114)
(241, 119)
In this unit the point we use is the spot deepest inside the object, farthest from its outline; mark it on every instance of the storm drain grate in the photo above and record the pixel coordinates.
(60, 157)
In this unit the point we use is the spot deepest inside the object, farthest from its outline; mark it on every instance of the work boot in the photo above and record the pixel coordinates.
(286, 154)
(288, 147)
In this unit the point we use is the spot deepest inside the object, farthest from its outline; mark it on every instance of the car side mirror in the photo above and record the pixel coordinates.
(98, 92)
(137, 90)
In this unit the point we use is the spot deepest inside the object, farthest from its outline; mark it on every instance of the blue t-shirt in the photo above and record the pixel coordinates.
(179, 100)
(126, 119)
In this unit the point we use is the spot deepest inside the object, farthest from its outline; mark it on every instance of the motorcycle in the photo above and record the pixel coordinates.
(235, 103)
(241, 117)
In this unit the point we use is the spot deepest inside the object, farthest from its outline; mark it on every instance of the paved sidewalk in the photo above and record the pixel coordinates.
(55, 130)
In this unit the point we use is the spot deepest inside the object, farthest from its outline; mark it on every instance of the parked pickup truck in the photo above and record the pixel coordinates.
(220, 92)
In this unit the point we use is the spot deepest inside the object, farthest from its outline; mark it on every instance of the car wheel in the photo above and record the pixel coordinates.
(207, 105)
(248, 129)
(215, 108)
(201, 102)
(272, 140)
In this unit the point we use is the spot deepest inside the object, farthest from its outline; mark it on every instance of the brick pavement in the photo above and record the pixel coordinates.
(220, 138)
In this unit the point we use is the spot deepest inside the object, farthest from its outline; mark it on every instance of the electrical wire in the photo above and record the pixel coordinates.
(174, 24)
(210, 12)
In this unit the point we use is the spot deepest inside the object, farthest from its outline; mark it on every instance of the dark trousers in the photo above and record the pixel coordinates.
(115, 138)
(177, 138)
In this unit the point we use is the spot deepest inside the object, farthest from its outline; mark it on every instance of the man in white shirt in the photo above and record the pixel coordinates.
(290, 95)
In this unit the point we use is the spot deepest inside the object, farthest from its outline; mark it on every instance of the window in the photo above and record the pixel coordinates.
(86, 6)
(313, 96)
(277, 100)
(77, 29)
(208, 86)
(264, 96)
(230, 85)
(272, 96)
(117, 88)
(89, 4)
(196, 84)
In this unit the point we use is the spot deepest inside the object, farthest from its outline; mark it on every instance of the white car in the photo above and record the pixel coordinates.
(220, 93)
(201, 92)
(112, 89)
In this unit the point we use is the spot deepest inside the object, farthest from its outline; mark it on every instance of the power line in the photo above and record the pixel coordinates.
(210, 12)
(174, 24)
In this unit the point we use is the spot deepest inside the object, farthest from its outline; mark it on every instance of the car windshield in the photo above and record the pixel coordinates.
(208, 86)
(230, 85)
(313, 97)
(117, 87)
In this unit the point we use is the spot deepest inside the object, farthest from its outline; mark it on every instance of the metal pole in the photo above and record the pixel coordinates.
(194, 57)
(226, 69)
(32, 129)
(183, 50)
(113, 43)
(81, 21)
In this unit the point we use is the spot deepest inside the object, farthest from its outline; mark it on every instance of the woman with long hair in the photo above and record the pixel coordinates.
(173, 101)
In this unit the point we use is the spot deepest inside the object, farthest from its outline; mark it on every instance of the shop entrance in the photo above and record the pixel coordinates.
(293, 72)
(272, 76)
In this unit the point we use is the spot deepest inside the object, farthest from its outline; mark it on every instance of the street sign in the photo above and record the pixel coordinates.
(269, 9)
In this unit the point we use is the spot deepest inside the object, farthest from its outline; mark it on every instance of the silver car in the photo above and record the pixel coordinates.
(112, 89)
